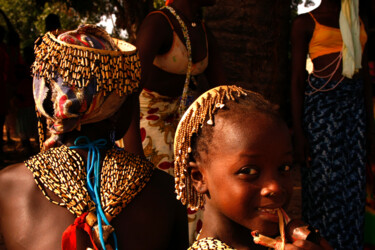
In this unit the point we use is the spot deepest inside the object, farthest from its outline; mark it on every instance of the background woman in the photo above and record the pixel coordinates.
(329, 119)
(175, 49)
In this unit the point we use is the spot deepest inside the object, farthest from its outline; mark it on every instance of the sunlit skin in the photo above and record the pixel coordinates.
(249, 159)
(29, 221)
(155, 37)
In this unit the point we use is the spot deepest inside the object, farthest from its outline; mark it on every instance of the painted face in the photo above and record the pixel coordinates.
(248, 171)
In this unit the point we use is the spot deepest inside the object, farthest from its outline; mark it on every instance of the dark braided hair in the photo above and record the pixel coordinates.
(251, 104)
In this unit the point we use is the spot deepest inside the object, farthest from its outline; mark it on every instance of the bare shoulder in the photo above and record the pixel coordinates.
(27, 218)
(159, 191)
(157, 207)
(154, 37)
(17, 186)
(14, 177)
(302, 30)
(156, 19)
(303, 22)
(162, 184)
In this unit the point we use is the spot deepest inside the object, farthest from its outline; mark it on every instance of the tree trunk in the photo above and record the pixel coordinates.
(254, 37)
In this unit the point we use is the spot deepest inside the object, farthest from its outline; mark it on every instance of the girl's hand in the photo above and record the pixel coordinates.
(304, 244)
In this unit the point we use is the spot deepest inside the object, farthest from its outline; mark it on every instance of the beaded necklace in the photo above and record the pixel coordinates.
(62, 170)
(316, 72)
(183, 103)
(210, 243)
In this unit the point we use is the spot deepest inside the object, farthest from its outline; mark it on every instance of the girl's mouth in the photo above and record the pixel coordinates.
(268, 210)
(269, 214)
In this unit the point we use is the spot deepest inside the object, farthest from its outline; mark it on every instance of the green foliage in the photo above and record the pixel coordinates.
(22, 15)
(69, 18)
(91, 11)
(159, 3)
(27, 18)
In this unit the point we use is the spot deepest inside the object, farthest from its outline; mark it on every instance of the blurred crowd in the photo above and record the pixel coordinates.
(17, 112)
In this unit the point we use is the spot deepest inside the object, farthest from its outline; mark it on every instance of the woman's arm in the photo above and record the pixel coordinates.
(154, 37)
(302, 29)
(132, 138)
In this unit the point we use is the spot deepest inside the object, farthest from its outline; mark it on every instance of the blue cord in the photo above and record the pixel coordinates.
(93, 179)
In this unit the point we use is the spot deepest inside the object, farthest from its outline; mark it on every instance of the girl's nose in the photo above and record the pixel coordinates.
(272, 188)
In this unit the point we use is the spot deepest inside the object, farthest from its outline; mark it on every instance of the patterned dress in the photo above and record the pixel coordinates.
(159, 118)
(333, 187)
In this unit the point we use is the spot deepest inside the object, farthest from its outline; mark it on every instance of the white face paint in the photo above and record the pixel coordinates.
(307, 6)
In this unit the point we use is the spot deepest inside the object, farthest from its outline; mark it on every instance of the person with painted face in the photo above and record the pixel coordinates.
(332, 119)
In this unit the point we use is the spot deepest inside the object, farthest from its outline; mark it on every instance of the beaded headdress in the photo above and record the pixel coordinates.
(81, 76)
(201, 112)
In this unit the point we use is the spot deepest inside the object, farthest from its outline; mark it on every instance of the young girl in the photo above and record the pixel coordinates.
(233, 156)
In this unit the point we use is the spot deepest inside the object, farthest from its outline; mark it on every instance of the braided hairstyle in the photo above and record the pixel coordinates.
(194, 132)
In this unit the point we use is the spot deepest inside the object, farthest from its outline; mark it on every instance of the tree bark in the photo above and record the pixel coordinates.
(254, 38)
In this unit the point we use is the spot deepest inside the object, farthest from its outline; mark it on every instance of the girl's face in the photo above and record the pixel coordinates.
(247, 171)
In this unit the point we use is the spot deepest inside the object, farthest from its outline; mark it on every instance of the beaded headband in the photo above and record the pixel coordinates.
(194, 118)
(81, 76)
(77, 65)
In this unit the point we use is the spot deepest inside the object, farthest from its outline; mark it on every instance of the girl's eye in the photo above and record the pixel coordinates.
(248, 171)
(286, 167)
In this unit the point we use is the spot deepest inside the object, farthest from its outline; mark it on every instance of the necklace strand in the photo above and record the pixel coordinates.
(338, 59)
(210, 243)
(192, 23)
(183, 103)
(62, 171)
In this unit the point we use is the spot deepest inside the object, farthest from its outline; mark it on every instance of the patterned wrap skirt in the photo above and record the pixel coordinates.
(333, 187)
(158, 121)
